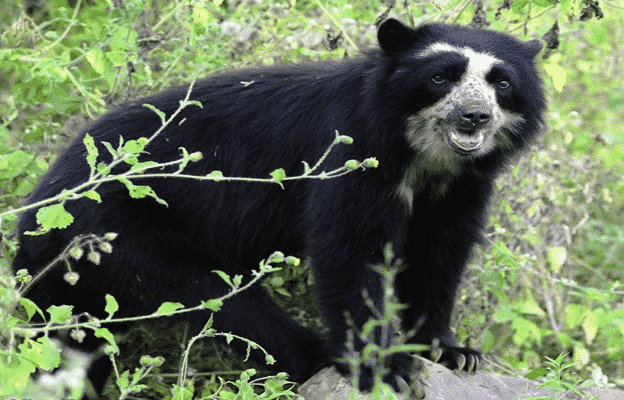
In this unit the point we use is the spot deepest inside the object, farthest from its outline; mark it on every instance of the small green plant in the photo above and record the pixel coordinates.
(381, 337)
(554, 374)
(246, 388)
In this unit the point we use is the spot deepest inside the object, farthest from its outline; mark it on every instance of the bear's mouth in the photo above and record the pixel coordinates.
(465, 142)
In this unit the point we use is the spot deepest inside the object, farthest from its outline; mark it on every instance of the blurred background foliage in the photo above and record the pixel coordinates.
(548, 281)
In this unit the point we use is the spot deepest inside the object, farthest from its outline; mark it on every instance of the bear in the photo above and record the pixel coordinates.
(443, 108)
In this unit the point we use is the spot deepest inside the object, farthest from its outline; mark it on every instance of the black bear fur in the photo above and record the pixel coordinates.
(257, 120)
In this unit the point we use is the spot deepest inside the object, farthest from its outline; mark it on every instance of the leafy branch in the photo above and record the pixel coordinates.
(62, 314)
(52, 213)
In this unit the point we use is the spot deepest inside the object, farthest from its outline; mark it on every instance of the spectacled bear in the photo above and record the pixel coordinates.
(443, 108)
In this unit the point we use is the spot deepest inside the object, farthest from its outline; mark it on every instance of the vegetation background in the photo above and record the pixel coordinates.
(549, 282)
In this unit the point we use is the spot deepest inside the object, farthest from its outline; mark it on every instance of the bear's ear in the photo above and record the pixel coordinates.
(533, 47)
(393, 36)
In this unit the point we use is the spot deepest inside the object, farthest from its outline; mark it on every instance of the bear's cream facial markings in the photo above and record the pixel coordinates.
(432, 136)
(471, 89)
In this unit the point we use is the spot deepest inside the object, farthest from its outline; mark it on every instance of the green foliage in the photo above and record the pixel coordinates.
(273, 387)
(554, 374)
(590, 114)
(18, 173)
(540, 293)
(22, 360)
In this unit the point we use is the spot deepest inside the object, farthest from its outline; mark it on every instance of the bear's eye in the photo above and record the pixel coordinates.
(503, 84)
(439, 79)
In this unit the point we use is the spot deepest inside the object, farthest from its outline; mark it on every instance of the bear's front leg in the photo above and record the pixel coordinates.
(440, 239)
(348, 238)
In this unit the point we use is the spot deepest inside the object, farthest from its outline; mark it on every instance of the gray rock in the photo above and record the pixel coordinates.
(443, 384)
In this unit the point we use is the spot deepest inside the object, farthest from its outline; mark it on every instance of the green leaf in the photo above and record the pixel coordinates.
(276, 257)
(110, 149)
(131, 160)
(168, 308)
(92, 151)
(103, 169)
(215, 176)
(536, 373)
(557, 74)
(183, 393)
(524, 331)
(140, 167)
(140, 191)
(14, 164)
(224, 276)
(123, 381)
(557, 256)
(42, 353)
(196, 103)
(293, 261)
(343, 139)
(161, 115)
(504, 314)
(51, 354)
(16, 376)
(306, 168)
(542, 3)
(117, 57)
(201, 16)
(185, 159)
(111, 305)
(488, 342)
(31, 308)
(278, 175)
(529, 306)
(581, 355)
(574, 315)
(93, 195)
(518, 5)
(53, 216)
(104, 333)
(135, 146)
(97, 60)
(123, 39)
(213, 304)
(591, 324)
(282, 291)
(60, 314)
(208, 326)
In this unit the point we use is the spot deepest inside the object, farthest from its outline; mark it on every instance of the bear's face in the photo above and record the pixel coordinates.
(462, 90)
(465, 119)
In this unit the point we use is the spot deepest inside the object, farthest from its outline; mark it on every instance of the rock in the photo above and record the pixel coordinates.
(441, 383)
